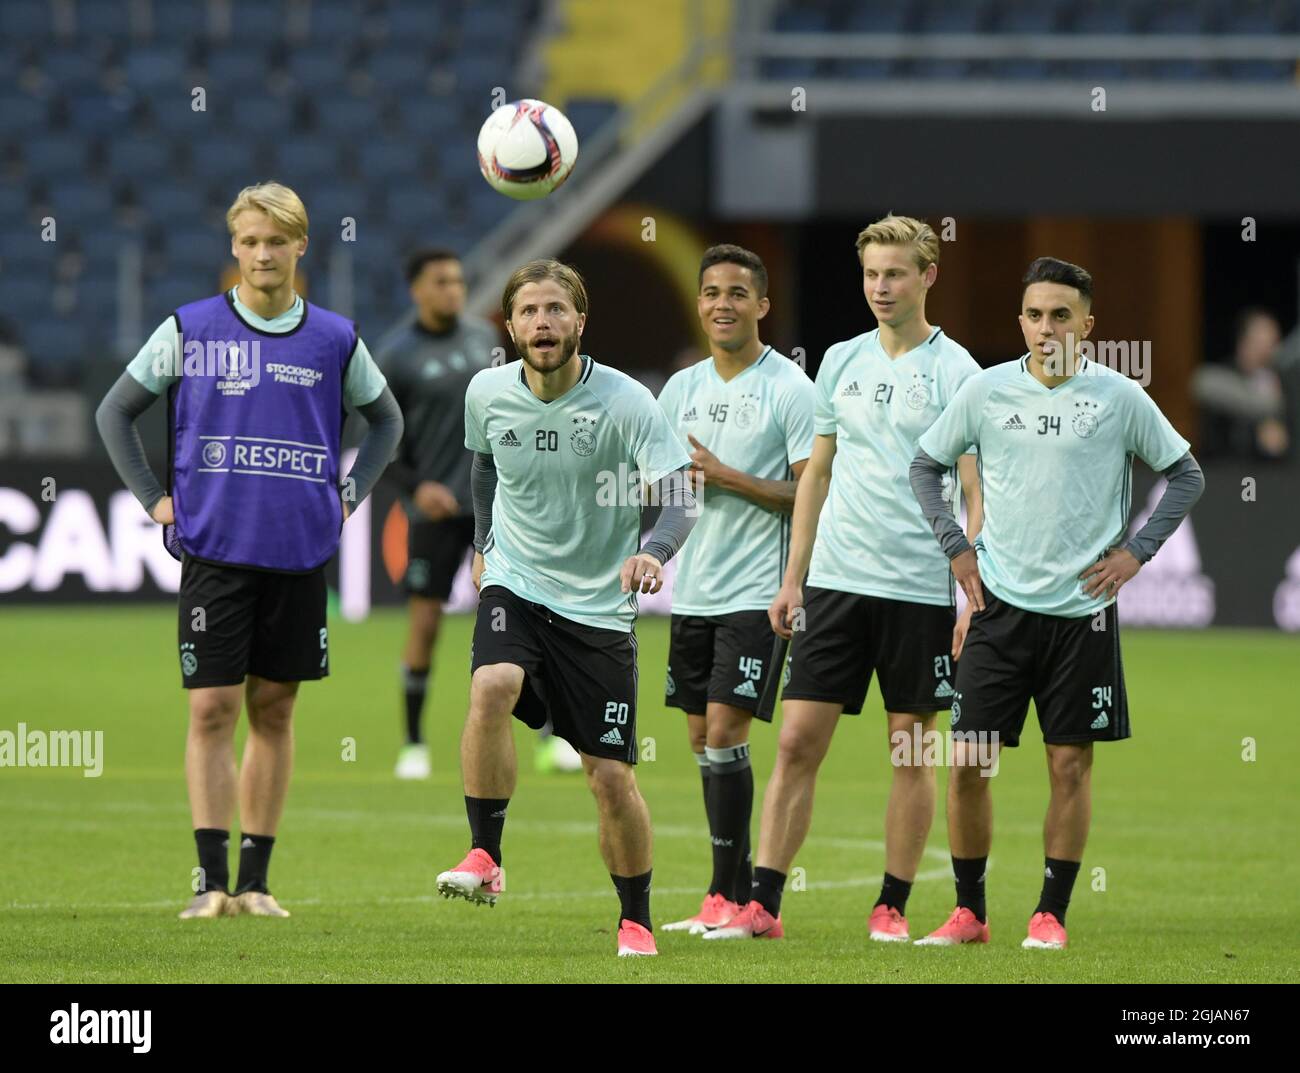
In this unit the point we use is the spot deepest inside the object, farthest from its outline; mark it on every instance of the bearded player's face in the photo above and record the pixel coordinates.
(545, 327)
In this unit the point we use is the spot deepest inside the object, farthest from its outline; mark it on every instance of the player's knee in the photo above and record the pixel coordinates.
(727, 728)
(698, 738)
(611, 782)
(1069, 767)
(494, 690)
(214, 716)
(798, 750)
(272, 718)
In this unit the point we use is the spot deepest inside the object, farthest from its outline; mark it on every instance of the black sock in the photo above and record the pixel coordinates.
(703, 761)
(970, 884)
(213, 846)
(744, 873)
(254, 862)
(894, 892)
(768, 885)
(414, 684)
(634, 897)
(731, 799)
(487, 819)
(1058, 881)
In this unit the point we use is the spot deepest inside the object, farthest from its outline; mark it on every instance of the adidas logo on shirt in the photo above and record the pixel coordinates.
(746, 689)
(1014, 424)
(509, 439)
(943, 689)
(611, 737)
(1101, 722)
(852, 389)
(689, 415)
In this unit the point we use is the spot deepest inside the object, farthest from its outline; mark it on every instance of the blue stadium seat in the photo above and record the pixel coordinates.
(945, 70)
(801, 21)
(1026, 17)
(97, 299)
(51, 155)
(305, 158)
(25, 20)
(99, 114)
(1260, 70)
(25, 296)
(21, 115)
(429, 120)
(103, 18)
(243, 66)
(953, 16)
(179, 24)
(163, 296)
(257, 20)
(588, 116)
(1021, 70)
(793, 69)
(415, 207)
(20, 243)
(170, 204)
(155, 67)
(1178, 17)
(315, 68)
(80, 201)
(335, 21)
(885, 17)
(139, 156)
(345, 116)
(1235, 17)
(415, 22)
(863, 69)
(489, 25)
(55, 341)
(102, 244)
(13, 202)
(223, 157)
(72, 69)
(265, 116)
(477, 74)
(1104, 17)
(330, 203)
(388, 159)
(399, 69)
(1179, 70)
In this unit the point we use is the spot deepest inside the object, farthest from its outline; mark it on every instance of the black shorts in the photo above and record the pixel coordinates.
(235, 621)
(582, 677)
(721, 659)
(434, 552)
(1070, 667)
(847, 636)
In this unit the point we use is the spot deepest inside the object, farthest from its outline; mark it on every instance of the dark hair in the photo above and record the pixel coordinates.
(1054, 270)
(736, 255)
(416, 261)
(1247, 317)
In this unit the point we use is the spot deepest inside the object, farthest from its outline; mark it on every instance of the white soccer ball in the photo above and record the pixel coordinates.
(526, 149)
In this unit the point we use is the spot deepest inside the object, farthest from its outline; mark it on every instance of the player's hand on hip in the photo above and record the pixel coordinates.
(1108, 574)
(966, 569)
(959, 631)
(476, 569)
(162, 512)
(782, 613)
(642, 573)
(435, 501)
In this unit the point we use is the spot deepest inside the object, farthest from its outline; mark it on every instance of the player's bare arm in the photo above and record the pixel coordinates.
(813, 486)
(708, 469)
(968, 474)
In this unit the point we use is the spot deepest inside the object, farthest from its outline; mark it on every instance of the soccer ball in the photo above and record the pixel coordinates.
(526, 149)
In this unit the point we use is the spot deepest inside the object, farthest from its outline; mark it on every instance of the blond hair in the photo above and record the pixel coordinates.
(894, 230)
(536, 271)
(277, 201)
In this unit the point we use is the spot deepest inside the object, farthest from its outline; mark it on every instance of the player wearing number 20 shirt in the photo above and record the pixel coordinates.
(562, 447)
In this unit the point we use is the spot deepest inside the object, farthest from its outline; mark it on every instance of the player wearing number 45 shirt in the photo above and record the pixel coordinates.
(562, 447)
(746, 414)
(880, 595)
(1056, 435)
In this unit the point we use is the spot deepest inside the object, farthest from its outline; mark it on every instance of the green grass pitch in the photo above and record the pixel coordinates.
(1199, 864)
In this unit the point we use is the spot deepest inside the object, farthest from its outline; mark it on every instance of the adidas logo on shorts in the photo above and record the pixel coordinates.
(943, 689)
(1013, 424)
(611, 737)
(509, 439)
(852, 389)
(1101, 722)
(746, 689)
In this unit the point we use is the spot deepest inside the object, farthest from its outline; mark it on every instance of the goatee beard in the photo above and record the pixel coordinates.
(568, 346)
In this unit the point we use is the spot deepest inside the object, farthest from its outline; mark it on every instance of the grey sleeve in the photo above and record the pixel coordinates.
(483, 486)
(926, 476)
(677, 516)
(384, 418)
(1186, 483)
(126, 400)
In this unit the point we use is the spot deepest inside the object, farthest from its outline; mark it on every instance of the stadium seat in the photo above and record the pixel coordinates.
(98, 113)
(415, 22)
(25, 20)
(486, 25)
(72, 69)
(172, 204)
(265, 116)
(389, 159)
(315, 67)
(155, 67)
(304, 158)
(1177, 17)
(945, 70)
(1103, 17)
(332, 21)
(885, 17)
(21, 243)
(190, 247)
(51, 155)
(243, 66)
(178, 24)
(21, 115)
(329, 204)
(1026, 17)
(399, 70)
(25, 296)
(54, 341)
(801, 21)
(147, 157)
(102, 244)
(96, 299)
(222, 157)
(80, 201)
(433, 121)
(103, 18)
(588, 116)
(345, 116)
(1234, 17)
(477, 73)
(953, 16)
(1260, 70)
